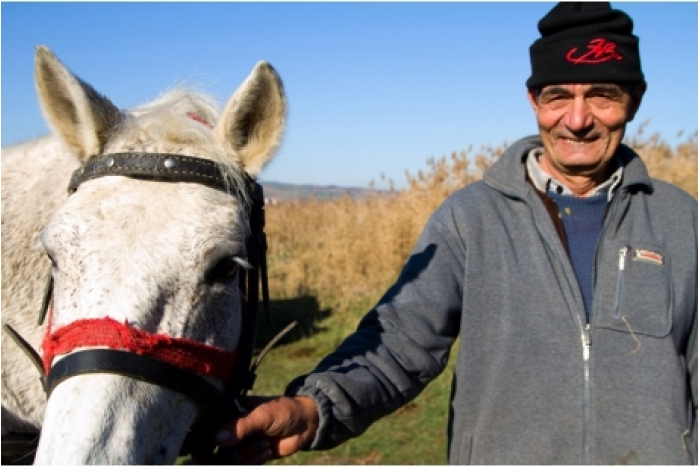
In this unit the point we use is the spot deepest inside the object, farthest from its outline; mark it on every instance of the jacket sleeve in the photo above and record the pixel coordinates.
(399, 346)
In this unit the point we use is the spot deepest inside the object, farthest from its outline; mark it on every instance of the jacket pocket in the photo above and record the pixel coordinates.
(634, 290)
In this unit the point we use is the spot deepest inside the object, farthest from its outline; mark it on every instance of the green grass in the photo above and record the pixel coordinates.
(415, 434)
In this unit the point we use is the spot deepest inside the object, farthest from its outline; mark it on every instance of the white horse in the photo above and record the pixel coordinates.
(157, 258)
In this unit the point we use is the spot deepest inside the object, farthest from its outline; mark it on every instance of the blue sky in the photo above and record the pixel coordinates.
(373, 88)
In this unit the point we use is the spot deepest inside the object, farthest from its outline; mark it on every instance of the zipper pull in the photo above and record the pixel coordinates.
(622, 258)
(586, 340)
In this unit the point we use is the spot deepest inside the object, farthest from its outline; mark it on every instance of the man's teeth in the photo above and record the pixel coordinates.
(577, 142)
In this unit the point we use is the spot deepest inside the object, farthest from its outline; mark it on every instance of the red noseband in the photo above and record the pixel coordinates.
(108, 333)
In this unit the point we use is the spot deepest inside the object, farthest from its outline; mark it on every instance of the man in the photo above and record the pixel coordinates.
(569, 275)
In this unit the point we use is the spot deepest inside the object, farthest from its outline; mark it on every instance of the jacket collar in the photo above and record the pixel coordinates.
(508, 173)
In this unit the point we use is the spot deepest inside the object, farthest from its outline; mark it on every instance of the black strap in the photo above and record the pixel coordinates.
(153, 166)
(145, 368)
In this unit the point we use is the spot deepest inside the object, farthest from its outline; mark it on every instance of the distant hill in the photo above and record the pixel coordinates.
(290, 192)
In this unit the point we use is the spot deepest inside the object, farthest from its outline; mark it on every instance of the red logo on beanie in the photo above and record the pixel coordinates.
(599, 51)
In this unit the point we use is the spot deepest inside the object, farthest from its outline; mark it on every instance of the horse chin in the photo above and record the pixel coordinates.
(113, 420)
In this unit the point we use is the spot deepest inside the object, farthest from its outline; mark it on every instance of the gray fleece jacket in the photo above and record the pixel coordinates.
(534, 384)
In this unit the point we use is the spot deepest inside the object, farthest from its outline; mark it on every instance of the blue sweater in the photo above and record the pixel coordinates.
(582, 218)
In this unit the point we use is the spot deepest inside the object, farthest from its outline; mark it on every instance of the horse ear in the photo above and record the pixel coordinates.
(252, 122)
(82, 117)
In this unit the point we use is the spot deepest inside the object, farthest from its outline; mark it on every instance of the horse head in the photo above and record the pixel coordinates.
(139, 264)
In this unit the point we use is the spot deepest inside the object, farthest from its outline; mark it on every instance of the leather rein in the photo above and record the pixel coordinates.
(221, 406)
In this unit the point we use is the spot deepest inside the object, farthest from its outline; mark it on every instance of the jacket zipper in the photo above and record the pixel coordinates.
(586, 340)
(586, 347)
(586, 336)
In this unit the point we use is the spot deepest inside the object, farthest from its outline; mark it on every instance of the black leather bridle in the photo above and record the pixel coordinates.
(221, 406)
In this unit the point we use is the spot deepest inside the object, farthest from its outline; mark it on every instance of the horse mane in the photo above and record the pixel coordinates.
(180, 120)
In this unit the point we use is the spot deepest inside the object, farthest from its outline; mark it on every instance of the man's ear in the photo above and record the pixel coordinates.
(636, 93)
(532, 98)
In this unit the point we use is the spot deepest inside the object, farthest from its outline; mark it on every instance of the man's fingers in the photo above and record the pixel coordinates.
(256, 421)
(263, 419)
(287, 424)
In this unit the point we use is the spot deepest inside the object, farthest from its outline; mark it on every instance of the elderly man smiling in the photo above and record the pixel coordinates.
(569, 275)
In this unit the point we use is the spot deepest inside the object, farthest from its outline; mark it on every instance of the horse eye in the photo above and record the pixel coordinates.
(223, 271)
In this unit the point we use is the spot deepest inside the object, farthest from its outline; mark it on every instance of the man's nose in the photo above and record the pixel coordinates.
(579, 117)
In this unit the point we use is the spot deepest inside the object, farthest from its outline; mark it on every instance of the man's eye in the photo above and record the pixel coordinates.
(601, 99)
(549, 99)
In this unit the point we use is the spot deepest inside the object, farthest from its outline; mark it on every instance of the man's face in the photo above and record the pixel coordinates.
(581, 126)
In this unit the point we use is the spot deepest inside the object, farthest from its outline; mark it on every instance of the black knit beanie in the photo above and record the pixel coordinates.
(585, 42)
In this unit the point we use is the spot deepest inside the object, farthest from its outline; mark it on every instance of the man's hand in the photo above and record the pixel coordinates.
(275, 427)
